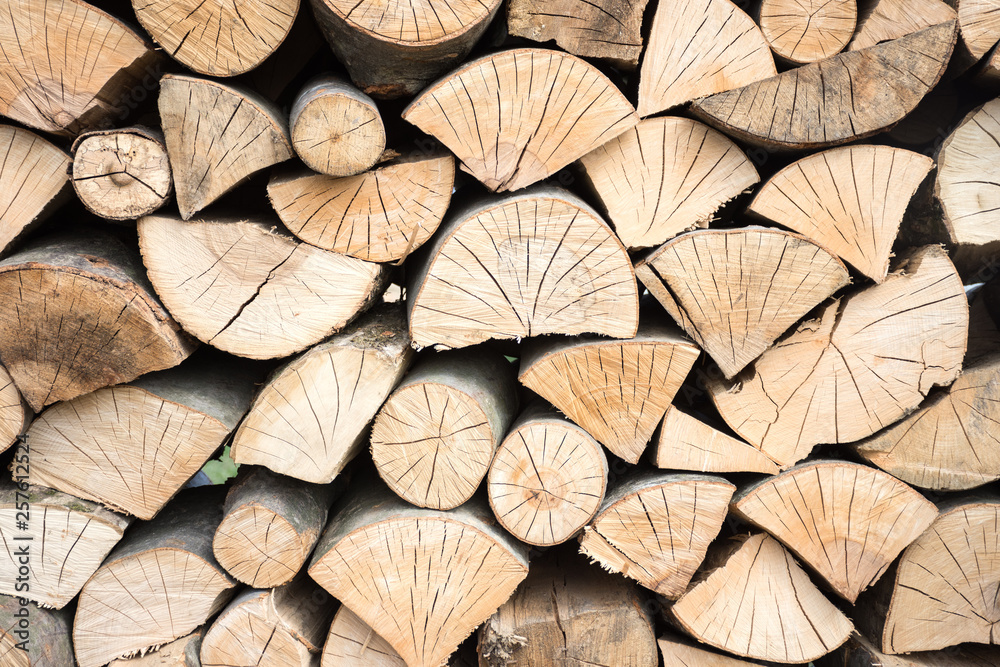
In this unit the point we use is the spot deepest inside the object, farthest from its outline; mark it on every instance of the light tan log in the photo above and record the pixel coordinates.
(686, 442)
(15, 415)
(735, 291)
(122, 174)
(217, 136)
(867, 360)
(311, 417)
(33, 181)
(979, 24)
(181, 652)
(67, 66)
(617, 390)
(655, 528)
(79, 315)
(665, 176)
(677, 651)
(351, 643)
(752, 599)
(859, 652)
(698, 48)
(849, 200)
(433, 440)
(518, 116)
(882, 20)
(380, 216)
(160, 583)
(897, 73)
(45, 633)
(422, 596)
(804, 32)
(246, 288)
(479, 280)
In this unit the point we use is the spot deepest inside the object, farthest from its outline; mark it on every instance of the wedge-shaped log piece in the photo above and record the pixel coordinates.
(40, 639)
(677, 651)
(698, 48)
(847, 521)
(655, 528)
(352, 643)
(820, 196)
(755, 601)
(242, 287)
(859, 651)
(533, 263)
(666, 176)
(866, 361)
(804, 32)
(422, 579)
(67, 65)
(183, 652)
(735, 291)
(979, 23)
(217, 135)
(160, 583)
(79, 315)
(33, 181)
(379, 216)
(812, 106)
(15, 415)
(517, 116)
(883, 20)
(617, 390)
(310, 419)
(686, 442)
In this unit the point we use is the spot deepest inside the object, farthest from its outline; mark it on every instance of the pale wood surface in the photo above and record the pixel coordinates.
(352, 643)
(33, 181)
(181, 652)
(881, 20)
(804, 31)
(686, 654)
(15, 415)
(686, 442)
(979, 23)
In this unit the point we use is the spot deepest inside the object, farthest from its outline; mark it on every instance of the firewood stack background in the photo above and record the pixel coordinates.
(469, 332)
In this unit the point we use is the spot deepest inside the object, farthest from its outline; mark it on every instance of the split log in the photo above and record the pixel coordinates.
(67, 539)
(867, 360)
(79, 315)
(771, 278)
(40, 639)
(132, 447)
(655, 528)
(567, 612)
(858, 652)
(819, 197)
(122, 174)
(271, 524)
(15, 415)
(755, 601)
(351, 643)
(792, 110)
(479, 280)
(422, 579)
(67, 65)
(804, 32)
(33, 181)
(691, 170)
(683, 652)
(311, 417)
(617, 390)
(979, 24)
(883, 20)
(160, 583)
(686, 442)
(278, 626)
(846, 521)
(538, 110)
(183, 652)
(698, 48)
(379, 216)
(245, 288)
(217, 135)
(547, 479)
(433, 440)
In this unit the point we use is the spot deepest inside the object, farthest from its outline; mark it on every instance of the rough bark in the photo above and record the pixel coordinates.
(46, 633)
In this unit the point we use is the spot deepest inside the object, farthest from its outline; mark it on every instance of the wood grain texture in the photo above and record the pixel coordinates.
(33, 181)
(804, 31)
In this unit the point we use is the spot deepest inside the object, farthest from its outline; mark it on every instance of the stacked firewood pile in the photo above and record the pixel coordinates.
(546, 332)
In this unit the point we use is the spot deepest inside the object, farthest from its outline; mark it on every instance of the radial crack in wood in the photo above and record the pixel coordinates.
(40, 639)
(979, 23)
(686, 442)
(352, 643)
(804, 31)
(33, 181)
(15, 415)
(883, 20)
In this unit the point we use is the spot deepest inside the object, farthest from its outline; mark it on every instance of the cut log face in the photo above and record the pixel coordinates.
(379, 216)
(617, 390)
(423, 596)
(680, 652)
(536, 109)
(15, 415)
(771, 279)
(181, 652)
(67, 65)
(666, 176)
(69, 539)
(479, 280)
(787, 620)
(979, 22)
(884, 20)
(865, 519)
(791, 110)
(217, 135)
(547, 479)
(33, 180)
(216, 38)
(686, 442)
(79, 315)
(310, 419)
(698, 48)
(858, 652)
(866, 361)
(820, 196)
(243, 288)
(122, 174)
(804, 32)
(655, 528)
(352, 643)
(47, 636)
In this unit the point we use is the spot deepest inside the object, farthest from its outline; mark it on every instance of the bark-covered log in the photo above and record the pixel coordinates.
(32, 636)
